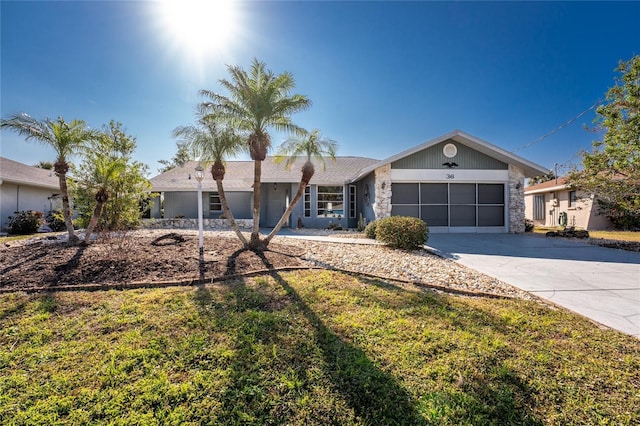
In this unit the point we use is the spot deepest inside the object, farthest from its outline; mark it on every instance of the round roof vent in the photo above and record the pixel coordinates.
(450, 150)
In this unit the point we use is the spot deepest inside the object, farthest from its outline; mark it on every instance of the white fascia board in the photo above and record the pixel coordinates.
(549, 189)
(26, 183)
(448, 175)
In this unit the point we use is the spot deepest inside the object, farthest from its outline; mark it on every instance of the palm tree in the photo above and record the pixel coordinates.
(312, 145)
(105, 170)
(213, 143)
(257, 101)
(65, 138)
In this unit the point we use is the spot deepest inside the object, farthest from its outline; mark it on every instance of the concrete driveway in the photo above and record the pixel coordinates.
(600, 283)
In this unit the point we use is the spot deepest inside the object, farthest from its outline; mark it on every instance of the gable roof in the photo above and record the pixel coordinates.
(548, 186)
(23, 174)
(529, 168)
(239, 174)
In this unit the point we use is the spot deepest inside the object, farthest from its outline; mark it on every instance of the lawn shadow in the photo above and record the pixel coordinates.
(488, 389)
(375, 396)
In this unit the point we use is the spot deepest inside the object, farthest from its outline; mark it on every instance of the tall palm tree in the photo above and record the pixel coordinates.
(212, 143)
(311, 146)
(65, 138)
(257, 101)
(105, 169)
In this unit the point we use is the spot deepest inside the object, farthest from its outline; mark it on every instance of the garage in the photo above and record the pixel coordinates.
(452, 207)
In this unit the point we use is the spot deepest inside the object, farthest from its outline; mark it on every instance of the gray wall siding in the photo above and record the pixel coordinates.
(365, 206)
(239, 203)
(181, 204)
(433, 158)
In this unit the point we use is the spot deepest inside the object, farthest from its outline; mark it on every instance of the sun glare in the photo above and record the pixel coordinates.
(199, 26)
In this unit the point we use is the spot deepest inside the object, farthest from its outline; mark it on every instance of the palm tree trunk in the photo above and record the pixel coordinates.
(97, 212)
(228, 215)
(255, 243)
(286, 214)
(66, 209)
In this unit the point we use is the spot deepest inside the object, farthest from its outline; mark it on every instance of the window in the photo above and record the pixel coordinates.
(352, 201)
(214, 202)
(307, 201)
(330, 201)
(572, 199)
(538, 207)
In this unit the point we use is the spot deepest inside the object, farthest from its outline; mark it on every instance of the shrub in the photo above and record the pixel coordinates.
(25, 222)
(528, 225)
(402, 232)
(55, 220)
(370, 230)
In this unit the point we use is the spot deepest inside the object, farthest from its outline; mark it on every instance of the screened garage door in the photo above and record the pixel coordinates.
(452, 206)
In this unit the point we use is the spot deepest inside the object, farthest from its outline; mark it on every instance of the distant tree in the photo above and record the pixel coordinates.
(47, 165)
(311, 146)
(212, 143)
(542, 178)
(109, 185)
(258, 100)
(66, 138)
(182, 157)
(611, 171)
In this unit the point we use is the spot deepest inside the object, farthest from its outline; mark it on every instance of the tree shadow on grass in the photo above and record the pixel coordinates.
(488, 391)
(375, 396)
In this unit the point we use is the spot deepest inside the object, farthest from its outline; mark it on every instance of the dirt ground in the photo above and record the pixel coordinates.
(134, 258)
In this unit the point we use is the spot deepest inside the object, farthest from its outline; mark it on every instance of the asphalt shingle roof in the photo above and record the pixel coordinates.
(239, 174)
(23, 174)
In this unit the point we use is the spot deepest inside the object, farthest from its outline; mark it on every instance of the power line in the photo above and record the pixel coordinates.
(527, 145)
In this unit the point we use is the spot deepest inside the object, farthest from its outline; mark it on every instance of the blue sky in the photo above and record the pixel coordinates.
(382, 76)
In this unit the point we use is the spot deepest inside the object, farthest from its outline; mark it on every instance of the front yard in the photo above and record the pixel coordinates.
(308, 347)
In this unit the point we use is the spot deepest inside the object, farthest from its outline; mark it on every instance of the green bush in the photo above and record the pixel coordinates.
(55, 220)
(402, 232)
(370, 230)
(25, 222)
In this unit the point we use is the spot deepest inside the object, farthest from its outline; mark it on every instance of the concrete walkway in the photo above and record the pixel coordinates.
(599, 283)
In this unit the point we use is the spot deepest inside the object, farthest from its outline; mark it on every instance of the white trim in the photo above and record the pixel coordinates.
(449, 175)
(549, 189)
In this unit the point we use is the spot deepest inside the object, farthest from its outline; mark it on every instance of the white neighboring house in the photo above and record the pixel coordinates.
(24, 187)
(546, 203)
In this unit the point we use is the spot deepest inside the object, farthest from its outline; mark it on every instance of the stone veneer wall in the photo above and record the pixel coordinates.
(516, 200)
(382, 205)
(207, 224)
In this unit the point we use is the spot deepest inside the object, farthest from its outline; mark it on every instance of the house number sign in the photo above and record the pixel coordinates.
(450, 176)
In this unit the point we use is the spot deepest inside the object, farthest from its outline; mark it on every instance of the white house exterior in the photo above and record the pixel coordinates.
(24, 187)
(554, 203)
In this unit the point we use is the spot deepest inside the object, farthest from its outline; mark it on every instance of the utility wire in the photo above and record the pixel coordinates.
(527, 145)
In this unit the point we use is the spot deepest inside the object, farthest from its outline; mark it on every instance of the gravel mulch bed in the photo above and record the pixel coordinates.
(133, 258)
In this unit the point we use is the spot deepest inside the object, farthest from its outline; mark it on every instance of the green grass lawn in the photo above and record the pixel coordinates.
(308, 348)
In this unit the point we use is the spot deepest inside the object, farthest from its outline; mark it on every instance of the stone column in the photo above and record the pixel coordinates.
(516, 200)
(382, 204)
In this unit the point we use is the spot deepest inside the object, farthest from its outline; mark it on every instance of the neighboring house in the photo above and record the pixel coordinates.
(555, 203)
(24, 187)
(456, 183)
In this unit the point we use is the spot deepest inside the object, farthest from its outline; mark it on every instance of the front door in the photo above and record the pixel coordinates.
(274, 198)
